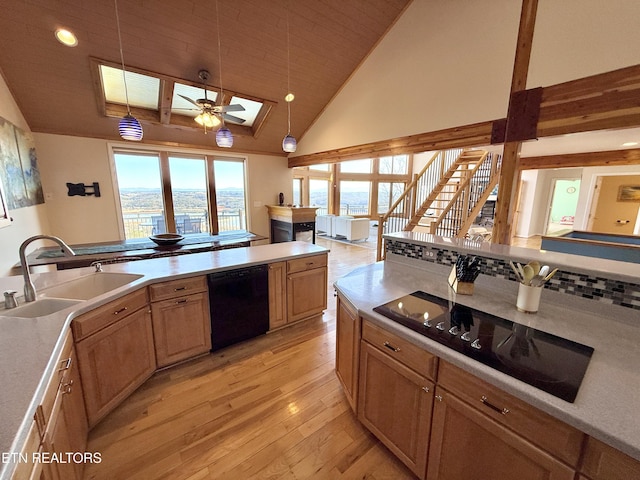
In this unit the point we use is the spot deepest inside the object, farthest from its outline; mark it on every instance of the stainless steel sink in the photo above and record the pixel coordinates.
(39, 308)
(89, 286)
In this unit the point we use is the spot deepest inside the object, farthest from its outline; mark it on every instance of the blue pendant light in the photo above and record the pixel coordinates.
(289, 143)
(129, 127)
(224, 138)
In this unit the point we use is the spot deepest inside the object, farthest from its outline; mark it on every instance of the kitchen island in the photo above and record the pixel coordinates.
(576, 306)
(29, 347)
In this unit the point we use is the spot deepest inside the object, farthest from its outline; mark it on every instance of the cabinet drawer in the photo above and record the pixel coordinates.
(554, 436)
(397, 347)
(103, 316)
(602, 462)
(177, 288)
(44, 410)
(306, 263)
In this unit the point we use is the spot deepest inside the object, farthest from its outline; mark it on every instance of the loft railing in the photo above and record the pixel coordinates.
(404, 208)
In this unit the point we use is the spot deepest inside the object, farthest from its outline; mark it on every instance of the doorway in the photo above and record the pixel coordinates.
(611, 210)
(564, 203)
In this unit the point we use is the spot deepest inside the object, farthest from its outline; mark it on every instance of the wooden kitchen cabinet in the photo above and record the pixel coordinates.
(277, 295)
(306, 287)
(466, 444)
(117, 358)
(602, 462)
(395, 403)
(181, 323)
(348, 349)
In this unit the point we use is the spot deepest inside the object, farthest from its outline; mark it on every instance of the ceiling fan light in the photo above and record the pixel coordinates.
(224, 138)
(208, 120)
(130, 128)
(289, 143)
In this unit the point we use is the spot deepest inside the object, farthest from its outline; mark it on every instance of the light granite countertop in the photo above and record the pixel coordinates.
(29, 345)
(609, 398)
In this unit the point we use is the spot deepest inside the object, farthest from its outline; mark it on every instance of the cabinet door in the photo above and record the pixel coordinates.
(181, 328)
(306, 293)
(602, 462)
(75, 415)
(277, 294)
(348, 350)
(468, 445)
(395, 404)
(115, 361)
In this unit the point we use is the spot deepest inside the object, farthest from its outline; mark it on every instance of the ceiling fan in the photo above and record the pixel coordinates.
(212, 115)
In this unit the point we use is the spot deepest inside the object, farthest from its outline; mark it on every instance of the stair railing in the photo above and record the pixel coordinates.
(471, 191)
(421, 186)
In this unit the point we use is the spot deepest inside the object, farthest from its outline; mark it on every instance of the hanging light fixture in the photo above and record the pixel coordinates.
(224, 139)
(289, 143)
(129, 127)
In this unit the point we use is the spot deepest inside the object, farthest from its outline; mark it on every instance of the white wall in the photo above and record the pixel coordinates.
(444, 63)
(448, 63)
(86, 160)
(27, 221)
(578, 38)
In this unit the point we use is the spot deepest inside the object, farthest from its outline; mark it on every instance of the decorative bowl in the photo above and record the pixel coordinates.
(166, 238)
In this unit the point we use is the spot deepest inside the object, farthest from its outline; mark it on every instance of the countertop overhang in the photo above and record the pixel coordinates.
(28, 346)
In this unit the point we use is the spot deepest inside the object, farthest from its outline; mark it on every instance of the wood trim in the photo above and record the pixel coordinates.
(164, 102)
(476, 134)
(592, 159)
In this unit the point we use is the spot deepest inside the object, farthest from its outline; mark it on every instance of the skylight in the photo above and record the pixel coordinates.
(149, 100)
(142, 89)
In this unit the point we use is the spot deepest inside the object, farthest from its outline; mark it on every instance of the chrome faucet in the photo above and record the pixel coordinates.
(29, 288)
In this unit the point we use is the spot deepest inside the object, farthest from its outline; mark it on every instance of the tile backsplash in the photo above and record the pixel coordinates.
(598, 288)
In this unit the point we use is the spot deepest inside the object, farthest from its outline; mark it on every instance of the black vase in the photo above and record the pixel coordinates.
(281, 198)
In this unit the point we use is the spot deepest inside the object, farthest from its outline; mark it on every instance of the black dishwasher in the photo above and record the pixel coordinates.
(239, 305)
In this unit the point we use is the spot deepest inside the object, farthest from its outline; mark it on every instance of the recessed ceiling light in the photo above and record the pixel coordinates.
(630, 144)
(66, 37)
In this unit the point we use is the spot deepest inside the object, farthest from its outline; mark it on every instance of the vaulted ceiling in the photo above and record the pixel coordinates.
(55, 89)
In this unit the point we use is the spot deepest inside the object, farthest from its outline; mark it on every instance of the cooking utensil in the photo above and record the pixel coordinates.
(521, 271)
(548, 277)
(535, 265)
(543, 271)
(528, 274)
(515, 270)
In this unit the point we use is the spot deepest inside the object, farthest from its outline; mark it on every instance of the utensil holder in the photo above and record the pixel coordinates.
(463, 288)
(528, 299)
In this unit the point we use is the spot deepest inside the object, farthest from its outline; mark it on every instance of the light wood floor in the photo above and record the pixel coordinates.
(268, 408)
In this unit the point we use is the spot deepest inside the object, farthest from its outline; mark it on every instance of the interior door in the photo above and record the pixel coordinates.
(609, 212)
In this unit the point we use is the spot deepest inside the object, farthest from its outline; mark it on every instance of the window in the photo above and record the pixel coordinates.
(388, 193)
(356, 166)
(354, 197)
(140, 189)
(189, 194)
(396, 165)
(297, 191)
(164, 192)
(322, 167)
(231, 209)
(319, 195)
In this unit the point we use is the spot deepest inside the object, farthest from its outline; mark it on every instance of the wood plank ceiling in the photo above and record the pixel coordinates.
(53, 88)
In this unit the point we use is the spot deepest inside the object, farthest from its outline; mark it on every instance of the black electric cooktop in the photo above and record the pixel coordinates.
(545, 361)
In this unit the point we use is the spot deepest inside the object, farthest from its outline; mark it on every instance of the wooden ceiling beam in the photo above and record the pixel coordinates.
(476, 134)
(608, 158)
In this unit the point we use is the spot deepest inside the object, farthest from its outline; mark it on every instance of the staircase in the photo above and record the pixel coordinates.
(445, 197)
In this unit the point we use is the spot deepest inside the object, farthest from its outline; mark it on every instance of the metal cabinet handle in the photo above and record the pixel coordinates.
(65, 364)
(502, 411)
(67, 387)
(426, 389)
(184, 300)
(179, 289)
(123, 309)
(391, 347)
(438, 398)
